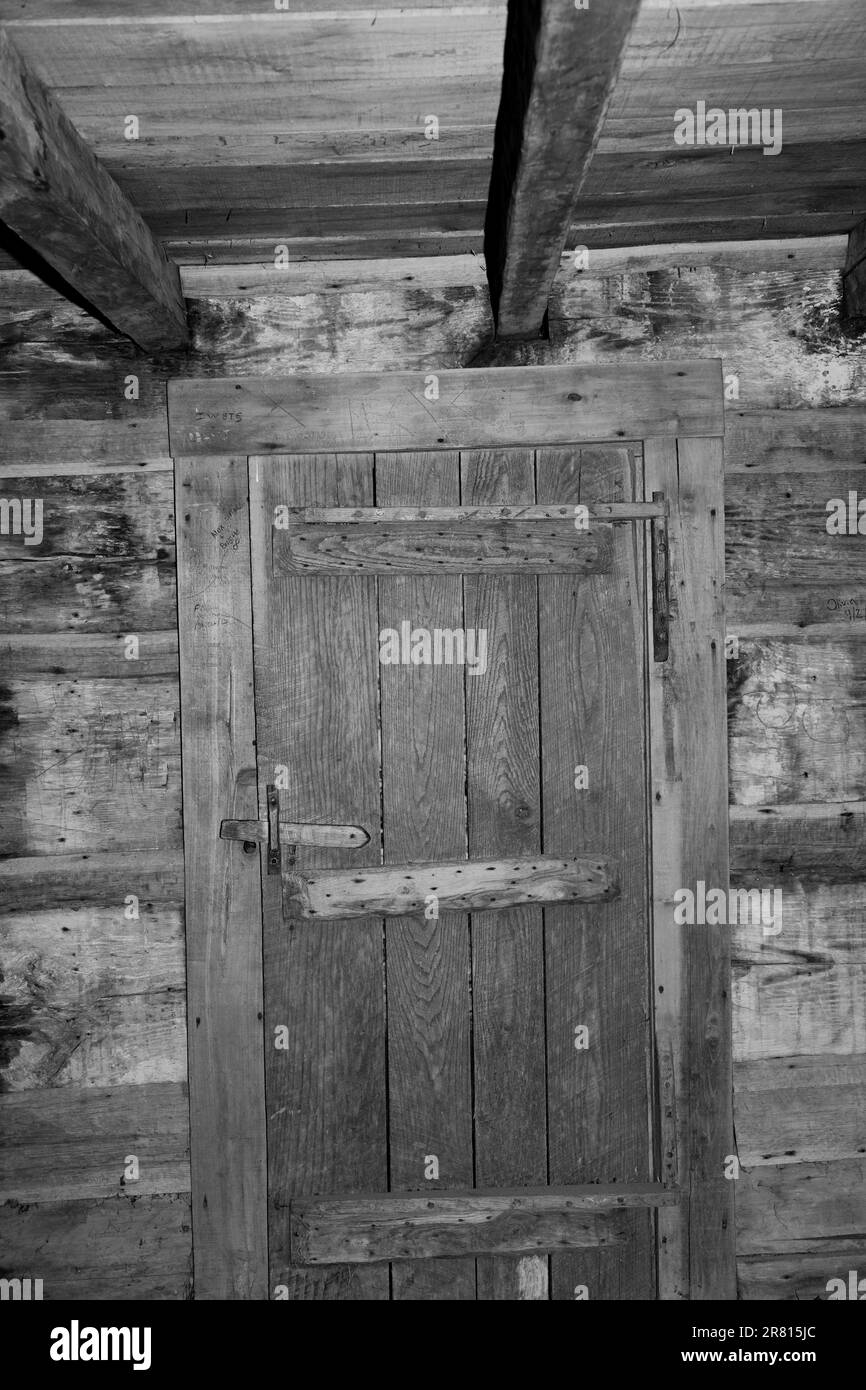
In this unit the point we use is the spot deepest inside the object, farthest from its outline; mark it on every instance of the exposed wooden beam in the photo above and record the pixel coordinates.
(57, 198)
(854, 275)
(560, 66)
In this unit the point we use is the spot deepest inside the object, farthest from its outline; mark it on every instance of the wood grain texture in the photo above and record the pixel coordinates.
(223, 932)
(93, 995)
(468, 516)
(119, 1248)
(592, 655)
(417, 547)
(72, 594)
(64, 206)
(798, 719)
(781, 1209)
(120, 516)
(800, 1277)
(785, 567)
(504, 816)
(768, 308)
(459, 886)
(85, 758)
(800, 1109)
(50, 880)
(317, 708)
(88, 655)
(802, 1005)
(398, 1226)
(690, 842)
(77, 1143)
(428, 960)
(810, 843)
(498, 407)
(560, 66)
(346, 170)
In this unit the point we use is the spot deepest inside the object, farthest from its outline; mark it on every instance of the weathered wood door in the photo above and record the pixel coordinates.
(475, 716)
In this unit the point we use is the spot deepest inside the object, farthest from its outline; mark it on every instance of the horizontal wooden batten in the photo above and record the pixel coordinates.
(490, 407)
(407, 1226)
(464, 886)
(450, 547)
(597, 511)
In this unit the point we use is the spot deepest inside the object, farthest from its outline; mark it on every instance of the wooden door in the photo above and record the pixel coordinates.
(469, 719)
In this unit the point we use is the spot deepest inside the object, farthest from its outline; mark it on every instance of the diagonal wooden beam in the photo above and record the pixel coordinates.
(57, 198)
(561, 63)
(854, 275)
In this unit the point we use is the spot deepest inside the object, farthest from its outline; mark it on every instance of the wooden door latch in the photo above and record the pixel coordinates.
(285, 836)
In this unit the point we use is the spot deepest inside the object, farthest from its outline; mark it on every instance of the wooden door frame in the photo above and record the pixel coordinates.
(675, 412)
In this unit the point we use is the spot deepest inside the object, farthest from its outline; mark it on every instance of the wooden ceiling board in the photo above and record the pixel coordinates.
(308, 127)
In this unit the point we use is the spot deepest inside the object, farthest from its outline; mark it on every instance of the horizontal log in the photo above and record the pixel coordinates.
(114, 515)
(404, 1226)
(483, 408)
(83, 595)
(296, 833)
(464, 886)
(811, 1006)
(88, 655)
(93, 996)
(47, 880)
(114, 1248)
(800, 1109)
(63, 1143)
(782, 564)
(90, 765)
(464, 547)
(815, 843)
(803, 1276)
(796, 441)
(94, 992)
(797, 717)
(782, 1208)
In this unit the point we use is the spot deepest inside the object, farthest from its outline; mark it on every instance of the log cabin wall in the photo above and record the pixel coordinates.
(93, 1026)
(94, 1045)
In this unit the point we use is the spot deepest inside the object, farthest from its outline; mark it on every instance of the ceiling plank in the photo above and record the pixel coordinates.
(59, 201)
(561, 63)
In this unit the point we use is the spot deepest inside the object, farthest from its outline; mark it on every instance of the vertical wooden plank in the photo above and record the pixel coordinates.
(424, 817)
(592, 678)
(504, 806)
(223, 902)
(690, 842)
(317, 701)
